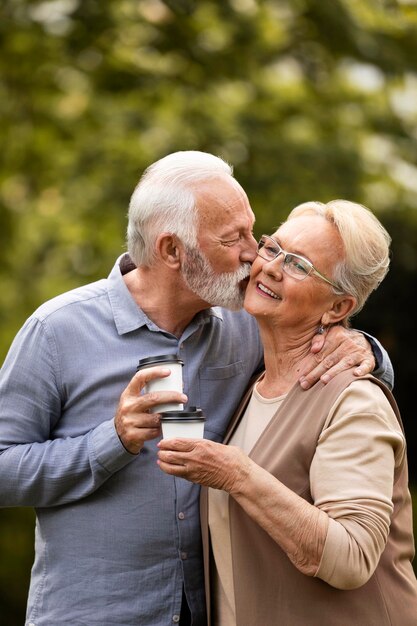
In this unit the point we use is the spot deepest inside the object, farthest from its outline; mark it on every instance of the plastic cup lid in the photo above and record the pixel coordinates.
(182, 420)
(160, 358)
(195, 409)
(195, 413)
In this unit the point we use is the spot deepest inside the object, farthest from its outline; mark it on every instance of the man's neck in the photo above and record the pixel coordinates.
(164, 298)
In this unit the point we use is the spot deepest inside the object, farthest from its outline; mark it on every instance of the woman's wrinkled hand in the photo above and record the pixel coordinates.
(205, 462)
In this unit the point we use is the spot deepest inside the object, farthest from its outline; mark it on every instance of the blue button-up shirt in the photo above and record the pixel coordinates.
(116, 538)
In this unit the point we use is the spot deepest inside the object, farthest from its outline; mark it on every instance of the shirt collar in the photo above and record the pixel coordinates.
(127, 314)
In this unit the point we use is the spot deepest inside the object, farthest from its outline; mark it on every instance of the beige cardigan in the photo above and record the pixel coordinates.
(269, 590)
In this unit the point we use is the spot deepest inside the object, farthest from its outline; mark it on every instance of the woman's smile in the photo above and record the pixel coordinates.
(265, 291)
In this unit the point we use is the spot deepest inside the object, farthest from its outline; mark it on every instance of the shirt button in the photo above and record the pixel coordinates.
(176, 618)
(183, 555)
(181, 515)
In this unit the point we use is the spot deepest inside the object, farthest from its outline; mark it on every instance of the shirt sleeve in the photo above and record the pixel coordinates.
(35, 468)
(383, 369)
(351, 477)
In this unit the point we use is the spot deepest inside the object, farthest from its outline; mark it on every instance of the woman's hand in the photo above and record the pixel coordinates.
(297, 526)
(204, 462)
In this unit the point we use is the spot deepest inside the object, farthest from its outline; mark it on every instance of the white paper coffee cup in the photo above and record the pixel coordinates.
(188, 424)
(173, 382)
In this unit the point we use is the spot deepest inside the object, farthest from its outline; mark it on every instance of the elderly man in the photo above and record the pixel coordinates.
(117, 541)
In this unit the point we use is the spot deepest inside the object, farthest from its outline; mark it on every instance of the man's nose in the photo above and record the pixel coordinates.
(249, 250)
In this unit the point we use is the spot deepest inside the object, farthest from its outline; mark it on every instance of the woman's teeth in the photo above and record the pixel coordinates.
(267, 291)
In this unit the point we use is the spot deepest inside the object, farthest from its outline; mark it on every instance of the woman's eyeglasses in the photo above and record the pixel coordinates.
(294, 265)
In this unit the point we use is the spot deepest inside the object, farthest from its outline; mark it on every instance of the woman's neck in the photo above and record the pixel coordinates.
(283, 361)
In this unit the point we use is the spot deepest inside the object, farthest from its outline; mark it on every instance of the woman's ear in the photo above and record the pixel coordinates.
(168, 248)
(341, 309)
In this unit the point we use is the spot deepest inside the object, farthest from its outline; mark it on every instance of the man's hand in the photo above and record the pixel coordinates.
(337, 350)
(134, 424)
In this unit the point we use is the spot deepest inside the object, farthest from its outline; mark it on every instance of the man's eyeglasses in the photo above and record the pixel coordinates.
(294, 265)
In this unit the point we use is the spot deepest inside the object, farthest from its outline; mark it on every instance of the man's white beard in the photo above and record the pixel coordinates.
(216, 289)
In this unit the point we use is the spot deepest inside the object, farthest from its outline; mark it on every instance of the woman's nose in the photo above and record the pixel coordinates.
(275, 265)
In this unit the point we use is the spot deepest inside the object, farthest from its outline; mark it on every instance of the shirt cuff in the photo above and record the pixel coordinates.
(107, 448)
(383, 368)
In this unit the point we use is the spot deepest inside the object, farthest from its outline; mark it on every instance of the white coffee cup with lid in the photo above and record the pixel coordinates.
(173, 382)
(185, 424)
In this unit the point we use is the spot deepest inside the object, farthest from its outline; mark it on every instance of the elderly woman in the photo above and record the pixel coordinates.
(309, 518)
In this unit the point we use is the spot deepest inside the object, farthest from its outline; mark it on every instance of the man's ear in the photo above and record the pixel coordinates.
(168, 248)
(341, 309)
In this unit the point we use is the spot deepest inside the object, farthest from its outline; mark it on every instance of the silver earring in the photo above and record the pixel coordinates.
(321, 330)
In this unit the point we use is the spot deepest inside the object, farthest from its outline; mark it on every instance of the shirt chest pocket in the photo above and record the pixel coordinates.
(222, 372)
(221, 388)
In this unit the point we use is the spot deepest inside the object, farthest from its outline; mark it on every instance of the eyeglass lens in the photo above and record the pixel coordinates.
(292, 264)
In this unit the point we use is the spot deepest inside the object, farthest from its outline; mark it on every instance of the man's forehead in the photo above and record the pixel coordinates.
(222, 193)
(220, 187)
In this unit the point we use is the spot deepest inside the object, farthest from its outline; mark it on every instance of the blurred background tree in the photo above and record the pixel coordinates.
(308, 99)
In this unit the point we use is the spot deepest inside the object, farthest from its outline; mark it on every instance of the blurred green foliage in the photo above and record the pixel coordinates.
(308, 99)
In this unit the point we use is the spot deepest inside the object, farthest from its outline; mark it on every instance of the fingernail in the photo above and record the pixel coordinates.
(304, 383)
(325, 378)
(184, 398)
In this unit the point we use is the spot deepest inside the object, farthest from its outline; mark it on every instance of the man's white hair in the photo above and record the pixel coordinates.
(164, 200)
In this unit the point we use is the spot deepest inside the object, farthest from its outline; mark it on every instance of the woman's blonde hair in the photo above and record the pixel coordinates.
(366, 244)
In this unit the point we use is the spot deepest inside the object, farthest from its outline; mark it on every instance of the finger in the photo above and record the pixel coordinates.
(330, 338)
(143, 421)
(178, 444)
(315, 366)
(171, 457)
(147, 434)
(364, 363)
(133, 435)
(344, 364)
(312, 373)
(141, 378)
(366, 367)
(317, 342)
(152, 400)
(172, 469)
(128, 416)
(308, 380)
